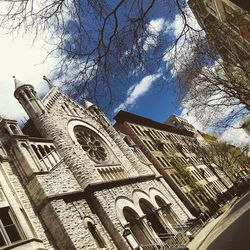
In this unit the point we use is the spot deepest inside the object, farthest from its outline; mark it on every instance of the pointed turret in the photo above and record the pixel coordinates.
(18, 83)
(88, 104)
(26, 95)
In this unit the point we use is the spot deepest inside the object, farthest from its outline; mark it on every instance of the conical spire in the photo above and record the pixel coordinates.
(18, 83)
(88, 104)
(26, 95)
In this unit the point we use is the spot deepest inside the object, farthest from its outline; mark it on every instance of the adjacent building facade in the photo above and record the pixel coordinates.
(69, 180)
(180, 123)
(177, 155)
(226, 23)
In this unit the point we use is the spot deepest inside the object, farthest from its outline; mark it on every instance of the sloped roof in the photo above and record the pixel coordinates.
(19, 83)
(124, 116)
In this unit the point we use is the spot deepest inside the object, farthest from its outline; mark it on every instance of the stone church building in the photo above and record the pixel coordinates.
(68, 180)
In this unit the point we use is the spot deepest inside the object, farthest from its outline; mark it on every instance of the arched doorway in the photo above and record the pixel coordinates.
(168, 212)
(136, 226)
(154, 220)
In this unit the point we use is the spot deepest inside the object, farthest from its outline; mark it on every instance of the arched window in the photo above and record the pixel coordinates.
(28, 94)
(14, 129)
(75, 111)
(67, 109)
(63, 108)
(92, 144)
(96, 235)
(153, 219)
(47, 149)
(54, 153)
(136, 226)
(33, 91)
(167, 212)
(36, 151)
(41, 150)
(21, 98)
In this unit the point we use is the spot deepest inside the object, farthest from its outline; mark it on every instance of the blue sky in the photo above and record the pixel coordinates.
(24, 59)
(144, 91)
(157, 104)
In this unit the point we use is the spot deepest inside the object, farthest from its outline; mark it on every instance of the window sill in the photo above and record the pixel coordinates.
(25, 244)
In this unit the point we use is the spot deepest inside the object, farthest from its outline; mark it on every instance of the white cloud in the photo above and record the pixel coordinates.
(137, 91)
(183, 49)
(235, 136)
(191, 118)
(176, 26)
(232, 134)
(23, 59)
(155, 27)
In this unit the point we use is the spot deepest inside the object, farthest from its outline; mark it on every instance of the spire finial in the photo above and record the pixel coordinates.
(48, 81)
(88, 104)
(18, 83)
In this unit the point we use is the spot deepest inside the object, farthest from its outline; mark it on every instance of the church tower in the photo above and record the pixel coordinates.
(28, 98)
(90, 186)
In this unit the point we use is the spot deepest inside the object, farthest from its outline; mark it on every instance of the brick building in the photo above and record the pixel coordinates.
(177, 155)
(68, 180)
(180, 123)
(226, 23)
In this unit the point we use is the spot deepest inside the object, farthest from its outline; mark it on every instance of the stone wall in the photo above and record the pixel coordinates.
(69, 227)
(62, 195)
(29, 211)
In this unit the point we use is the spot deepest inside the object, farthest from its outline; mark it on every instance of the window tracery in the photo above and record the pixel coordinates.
(92, 144)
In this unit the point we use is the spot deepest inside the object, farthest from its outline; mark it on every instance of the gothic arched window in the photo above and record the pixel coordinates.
(14, 129)
(28, 94)
(96, 235)
(92, 144)
(167, 212)
(136, 226)
(153, 219)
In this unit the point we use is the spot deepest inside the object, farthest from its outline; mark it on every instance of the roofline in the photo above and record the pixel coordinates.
(124, 116)
(53, 89)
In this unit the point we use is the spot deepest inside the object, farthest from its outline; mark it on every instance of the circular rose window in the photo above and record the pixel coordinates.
(92, 144)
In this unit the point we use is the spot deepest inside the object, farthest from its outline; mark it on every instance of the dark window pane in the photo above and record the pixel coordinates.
(242, 4)
(2, 241)
(12, 233)
(9, 227)
(5, 218)
(96, 235)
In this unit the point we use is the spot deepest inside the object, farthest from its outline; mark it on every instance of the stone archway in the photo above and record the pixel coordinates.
(136, 226)
(167, 212)
(153, 219)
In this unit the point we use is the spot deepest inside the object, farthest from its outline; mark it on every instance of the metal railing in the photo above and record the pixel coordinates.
(171, 241)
